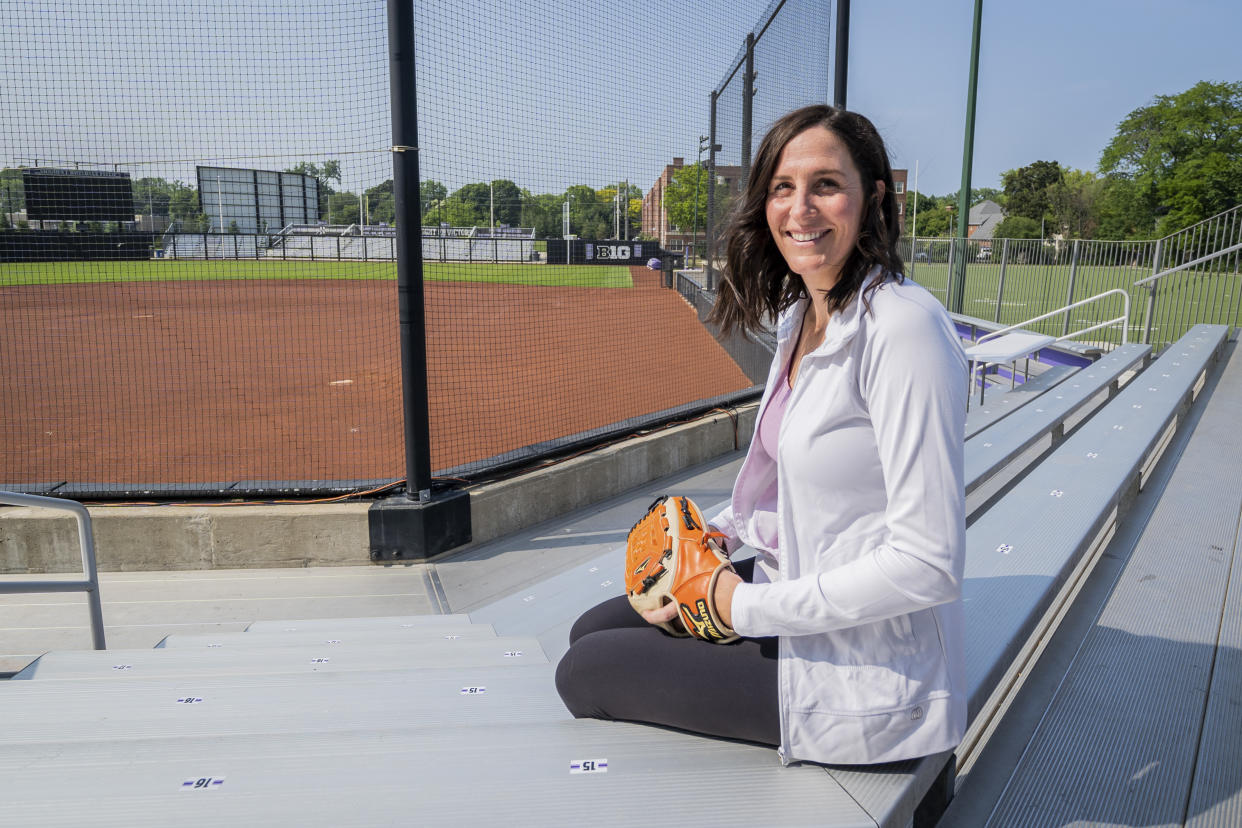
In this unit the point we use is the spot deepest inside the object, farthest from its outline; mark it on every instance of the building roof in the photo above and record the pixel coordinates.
(984, 217)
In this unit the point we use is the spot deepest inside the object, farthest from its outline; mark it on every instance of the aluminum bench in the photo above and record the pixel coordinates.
(1143, 726)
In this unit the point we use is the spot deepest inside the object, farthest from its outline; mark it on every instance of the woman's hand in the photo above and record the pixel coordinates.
(725, 584)
(662, 615)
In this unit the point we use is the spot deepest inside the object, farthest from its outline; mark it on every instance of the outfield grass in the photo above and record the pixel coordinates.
(1030, 290)
(60, 273)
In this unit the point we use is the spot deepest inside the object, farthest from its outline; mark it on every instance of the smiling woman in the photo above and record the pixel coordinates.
(851, 494)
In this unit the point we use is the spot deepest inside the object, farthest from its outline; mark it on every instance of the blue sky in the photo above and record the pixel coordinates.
(550, 93)
(1055, 77)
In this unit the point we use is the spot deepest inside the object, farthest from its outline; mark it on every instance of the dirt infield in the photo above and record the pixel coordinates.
(220, 381)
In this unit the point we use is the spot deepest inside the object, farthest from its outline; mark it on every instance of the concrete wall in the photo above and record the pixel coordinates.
(143, 538)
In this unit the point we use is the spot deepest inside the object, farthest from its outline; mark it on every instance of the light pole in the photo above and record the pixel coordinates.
(565, 224)
(698, 177)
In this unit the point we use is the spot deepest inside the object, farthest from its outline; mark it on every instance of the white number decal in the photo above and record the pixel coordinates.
(589, 766)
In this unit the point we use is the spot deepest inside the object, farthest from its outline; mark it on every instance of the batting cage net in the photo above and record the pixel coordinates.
(199, 235)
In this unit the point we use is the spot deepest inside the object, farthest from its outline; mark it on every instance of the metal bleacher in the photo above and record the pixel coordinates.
(454, 719)
(1144, 726)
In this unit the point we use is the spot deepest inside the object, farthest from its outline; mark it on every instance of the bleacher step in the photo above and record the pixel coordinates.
(1000, 406)
(564, 773)
(327, 702)
(332, 636)
(373, 623)
(122, 665)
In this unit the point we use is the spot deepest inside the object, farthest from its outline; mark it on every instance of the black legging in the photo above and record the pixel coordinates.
(622, 668)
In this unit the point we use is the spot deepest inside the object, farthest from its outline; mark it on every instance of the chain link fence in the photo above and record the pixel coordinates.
(1011, 280)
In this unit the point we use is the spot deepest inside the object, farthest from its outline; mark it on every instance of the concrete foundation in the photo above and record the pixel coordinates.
(225, 536)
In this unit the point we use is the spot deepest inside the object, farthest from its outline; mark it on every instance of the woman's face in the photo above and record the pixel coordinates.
(815, 205)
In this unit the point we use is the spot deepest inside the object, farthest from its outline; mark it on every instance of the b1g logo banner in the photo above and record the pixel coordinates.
(601, 252)
(614, 252)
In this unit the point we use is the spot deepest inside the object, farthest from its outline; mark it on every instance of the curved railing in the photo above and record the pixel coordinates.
(86, 538)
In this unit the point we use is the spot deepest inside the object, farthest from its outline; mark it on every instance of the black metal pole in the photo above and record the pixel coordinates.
(408, 209)
(843, 54)
(748, 95)
(709, 224)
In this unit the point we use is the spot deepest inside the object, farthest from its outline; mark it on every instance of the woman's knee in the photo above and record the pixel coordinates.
(615, 613)
(575, 684)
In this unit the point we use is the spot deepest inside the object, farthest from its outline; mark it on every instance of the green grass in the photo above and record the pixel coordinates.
(61, 273)
(1030, 290)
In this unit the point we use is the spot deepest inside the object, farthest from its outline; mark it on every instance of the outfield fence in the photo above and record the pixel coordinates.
(234, 363)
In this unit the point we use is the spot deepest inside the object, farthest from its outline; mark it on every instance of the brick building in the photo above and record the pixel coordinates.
(655, 220)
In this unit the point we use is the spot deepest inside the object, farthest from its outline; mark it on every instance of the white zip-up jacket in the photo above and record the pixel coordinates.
(867, 500)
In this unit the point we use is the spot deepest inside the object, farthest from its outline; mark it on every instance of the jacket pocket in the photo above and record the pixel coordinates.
(865, 670)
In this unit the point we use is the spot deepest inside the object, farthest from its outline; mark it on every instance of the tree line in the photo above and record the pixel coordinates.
(593, 213)
(1171, 164)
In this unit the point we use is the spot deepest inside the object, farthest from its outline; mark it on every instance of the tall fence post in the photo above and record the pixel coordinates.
(748, 95)
(709, 228)
(1151, 292)
(1069, 294)
(413, 525)
(1000, 288)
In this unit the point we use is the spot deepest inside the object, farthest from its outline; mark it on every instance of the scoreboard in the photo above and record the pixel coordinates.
(77, 195)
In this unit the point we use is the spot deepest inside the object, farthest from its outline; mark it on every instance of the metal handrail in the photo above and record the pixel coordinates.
(86, 537)
(1125, 318)
(1202, 259)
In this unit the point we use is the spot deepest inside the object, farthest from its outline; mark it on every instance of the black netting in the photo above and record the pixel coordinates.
(198, 284)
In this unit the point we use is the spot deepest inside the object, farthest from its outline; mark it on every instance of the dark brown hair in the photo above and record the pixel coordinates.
(756, 281)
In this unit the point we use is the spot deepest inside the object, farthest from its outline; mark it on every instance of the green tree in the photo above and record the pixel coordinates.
(590, 217)
(460, 212)
(935, 220)
(1075, 203)
(925, 206)
(430, 192)
(328, 171)
(1183, 153)
(977, 194)
(468, 205)
(1028, 190)
(543, 212)
(381, 204)
(1017, 227)
(153, 195)
(343, 207)
(1125, 210)
(12, 193)
(685, 198)
(184, 209)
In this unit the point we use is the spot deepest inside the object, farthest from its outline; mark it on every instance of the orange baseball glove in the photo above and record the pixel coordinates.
(671, 556)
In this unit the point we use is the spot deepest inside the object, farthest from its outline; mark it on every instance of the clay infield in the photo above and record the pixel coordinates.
(220, 381)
